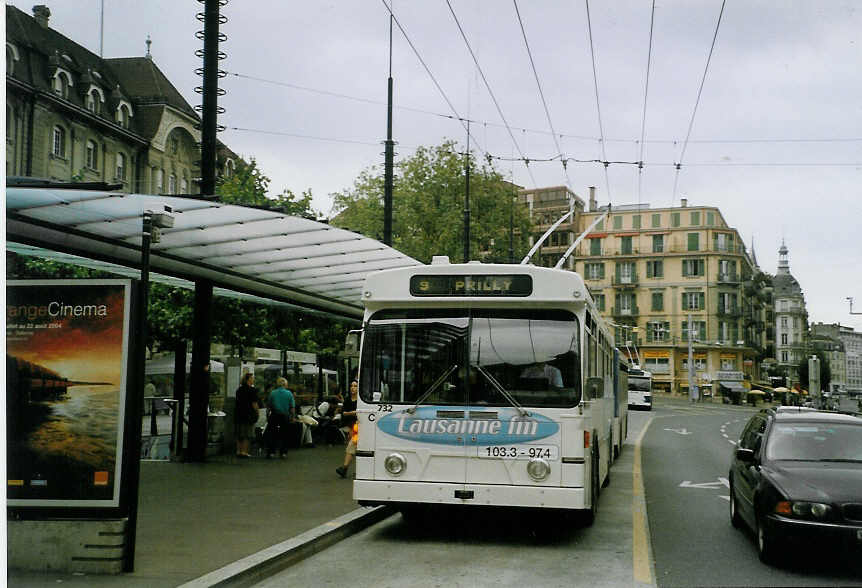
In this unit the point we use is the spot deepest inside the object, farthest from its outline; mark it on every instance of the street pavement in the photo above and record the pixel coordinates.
(196, 518)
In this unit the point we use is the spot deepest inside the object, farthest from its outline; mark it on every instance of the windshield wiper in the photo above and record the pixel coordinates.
(433, 387)
(505, 393)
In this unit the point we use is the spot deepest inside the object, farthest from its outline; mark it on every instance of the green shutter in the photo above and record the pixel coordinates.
(693, 241)
(656, 220)
(710, 218)
(674, 219)
(602, 271)
(649, 269)
(695, 218)
(618, 222)
(636, 221)
(700, 304)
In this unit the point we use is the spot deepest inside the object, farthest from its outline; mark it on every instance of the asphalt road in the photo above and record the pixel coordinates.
(686, 453)
(487, 548)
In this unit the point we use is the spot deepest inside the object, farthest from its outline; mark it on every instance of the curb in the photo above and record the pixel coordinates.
(263, 564)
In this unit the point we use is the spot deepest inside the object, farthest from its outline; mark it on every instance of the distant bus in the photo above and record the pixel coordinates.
(640, 388)
(484, 384)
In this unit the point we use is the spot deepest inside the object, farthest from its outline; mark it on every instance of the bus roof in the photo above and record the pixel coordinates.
(442, 282)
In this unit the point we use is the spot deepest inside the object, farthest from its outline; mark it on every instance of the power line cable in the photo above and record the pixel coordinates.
(431, 75)
(696, 103)
(598, 107)
(634, 141)
(491, 92)
(542, 95)
(646, 94)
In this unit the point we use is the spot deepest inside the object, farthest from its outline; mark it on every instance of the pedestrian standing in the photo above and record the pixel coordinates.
(282, 408)
(348, 418)
(246, 414)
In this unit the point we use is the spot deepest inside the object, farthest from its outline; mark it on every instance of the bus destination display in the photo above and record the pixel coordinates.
(472, 285)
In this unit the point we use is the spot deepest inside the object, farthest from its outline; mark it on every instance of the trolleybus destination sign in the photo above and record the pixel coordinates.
(472, 285)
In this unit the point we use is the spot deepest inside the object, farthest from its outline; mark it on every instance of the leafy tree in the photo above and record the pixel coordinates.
(428, 207)
(248, 186)
(825, 372)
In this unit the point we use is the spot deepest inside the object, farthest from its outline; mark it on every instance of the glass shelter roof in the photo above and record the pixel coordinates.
(249, 251)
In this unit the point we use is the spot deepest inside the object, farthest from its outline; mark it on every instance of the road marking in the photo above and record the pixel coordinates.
(642, 565)
(688, 484)
(682, 431)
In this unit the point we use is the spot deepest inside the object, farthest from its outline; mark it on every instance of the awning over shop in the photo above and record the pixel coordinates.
(249, 250)
(733, 386)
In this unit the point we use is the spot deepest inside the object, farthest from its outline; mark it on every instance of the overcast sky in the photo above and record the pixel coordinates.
(776, 142)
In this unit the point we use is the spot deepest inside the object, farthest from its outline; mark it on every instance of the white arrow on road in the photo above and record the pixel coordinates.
(682, 431)
(721, 482)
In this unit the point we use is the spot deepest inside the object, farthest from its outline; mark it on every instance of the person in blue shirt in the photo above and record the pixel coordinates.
(282, 409)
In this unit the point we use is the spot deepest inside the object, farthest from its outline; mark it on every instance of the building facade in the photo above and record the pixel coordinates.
(851, 340)
(73, 116)
(791, 318)
(662, 276)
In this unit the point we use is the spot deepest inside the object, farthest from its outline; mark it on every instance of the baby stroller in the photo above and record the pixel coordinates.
(327, 429)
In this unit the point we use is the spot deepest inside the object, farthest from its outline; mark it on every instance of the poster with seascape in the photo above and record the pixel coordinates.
(67, 352)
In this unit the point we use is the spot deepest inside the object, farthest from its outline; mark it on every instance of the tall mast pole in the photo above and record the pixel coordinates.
(389, 155)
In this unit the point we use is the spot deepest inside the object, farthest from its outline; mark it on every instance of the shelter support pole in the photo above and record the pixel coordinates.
(200, 375)
(180, 397)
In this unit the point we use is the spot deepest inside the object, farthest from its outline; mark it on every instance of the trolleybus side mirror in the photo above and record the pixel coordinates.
(595, 388)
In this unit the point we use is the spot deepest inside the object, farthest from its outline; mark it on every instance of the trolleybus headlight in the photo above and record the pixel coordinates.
(395, 464)
(538, 469)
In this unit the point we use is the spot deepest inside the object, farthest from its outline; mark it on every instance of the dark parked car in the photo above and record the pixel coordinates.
(796, 481)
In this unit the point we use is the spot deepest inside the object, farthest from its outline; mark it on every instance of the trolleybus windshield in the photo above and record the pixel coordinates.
(465, 356)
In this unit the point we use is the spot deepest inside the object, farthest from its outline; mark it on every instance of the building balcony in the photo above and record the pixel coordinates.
(617, 311)
(728, 278)
(628, 280)
(728, 312)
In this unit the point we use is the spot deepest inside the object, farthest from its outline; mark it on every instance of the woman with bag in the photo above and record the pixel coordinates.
(246, 414)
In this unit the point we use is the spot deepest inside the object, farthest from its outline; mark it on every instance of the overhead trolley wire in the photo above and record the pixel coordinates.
(542, 95)
(634, 141)
(598, 107)
(696, 103)
(646, 94)
(431, 75)
(491, 93)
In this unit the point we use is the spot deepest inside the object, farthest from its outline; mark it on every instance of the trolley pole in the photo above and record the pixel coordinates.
(389, 156)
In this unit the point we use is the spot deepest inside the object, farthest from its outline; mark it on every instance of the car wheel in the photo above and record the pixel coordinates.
(767, 547)
(735, 519)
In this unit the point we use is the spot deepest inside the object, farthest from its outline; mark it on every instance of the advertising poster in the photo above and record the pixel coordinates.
(66, 360)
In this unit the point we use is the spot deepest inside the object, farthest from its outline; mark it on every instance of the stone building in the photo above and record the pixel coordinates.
(73, 116)
(851, 341)
(791, 318)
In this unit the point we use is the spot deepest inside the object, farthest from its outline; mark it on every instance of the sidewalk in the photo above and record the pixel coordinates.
(195, 518)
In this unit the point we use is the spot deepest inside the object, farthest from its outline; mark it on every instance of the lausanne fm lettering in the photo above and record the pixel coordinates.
(464, 427)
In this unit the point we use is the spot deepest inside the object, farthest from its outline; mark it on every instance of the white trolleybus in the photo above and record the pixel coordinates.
(484, 384)
(640, 388)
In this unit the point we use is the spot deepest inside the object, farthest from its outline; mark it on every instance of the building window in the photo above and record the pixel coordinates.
(600, 301)
(626, 273)
(618, 222)
(121, 166)
(726, 302)
(594, 271)
(159, 182)
(94, 101)
(727, 332)
(694, 241)
(710, 218)
(636, 221)
(655, 268)
(626, 245)
(184, 186)
(699, 328)
(726, 270)
(784, 338)
(728, 364)
(699, 364)
(92, 155)
(123, 116)
(722, 242)
(784, 322)
(658, 301)
(11, 58)
(658, 243)
(782, 306)
(695, 218)
(61, 84)
(783, 357)
(658, 331)
(595, 246)
(172, 184)
(173, 145)
(59, 145)
(692, 300)
(674, 219)
(229, 169)
(625, 304)
(656, 220)
(692, 267)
